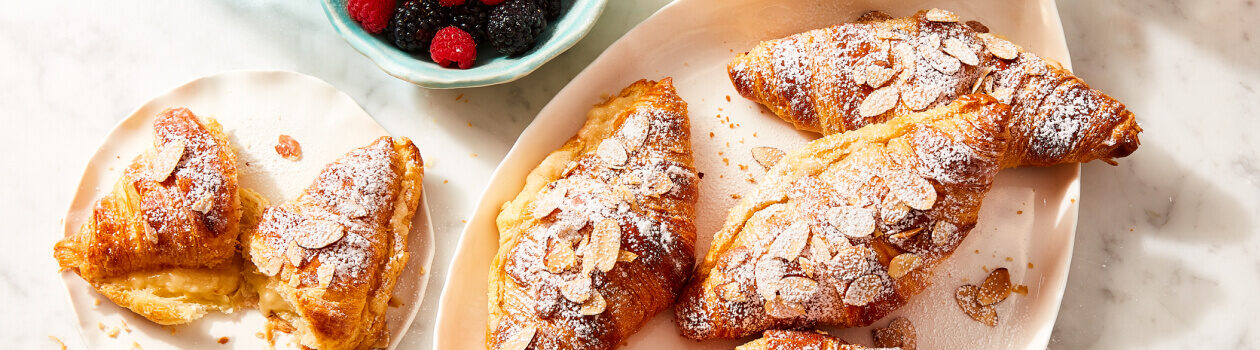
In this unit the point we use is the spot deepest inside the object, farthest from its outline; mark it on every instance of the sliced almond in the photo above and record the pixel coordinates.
(966, 298)
(856, 222)
(961, 51)
(588, 257)
(944, 63)
(999, 47)
(900, 333)
(878, 102)
(660, 184)
(995, 288)
(324, 274)
(352, 209)
(913, 190)
(984, 73)
(627, 256)
(939, 15)
(797, 289)
(877, 76)
(634, 131)
(943, 232)
(807, 266)
(819, 249)
(731, 291)
(893, 211)
(561, 257)
(918, 97)
(851, 263)
(767, 156)
(790, 242)
(767, 274)
(549, 201)
(902, 264)
(612, 153)
(520, 340)
(295, 254)
(780, 308)
(905, 61)
(317, 234)
(864, 290)
(595, 305)
(606, 243)
(150, 234)
(577, 290)
(203, 204)
(166, 159)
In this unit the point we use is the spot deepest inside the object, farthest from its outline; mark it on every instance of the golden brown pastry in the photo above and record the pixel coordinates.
(841, 78)
(163, 242)
(325, 264)
(602, 236)
(793, 340)
(849, 227)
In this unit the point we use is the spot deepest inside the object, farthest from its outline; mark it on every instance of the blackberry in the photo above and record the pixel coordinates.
(471, 17)
(515, 26)
(551, 8)
(415, 23)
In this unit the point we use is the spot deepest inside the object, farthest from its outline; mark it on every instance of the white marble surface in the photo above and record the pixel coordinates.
(1167, 245)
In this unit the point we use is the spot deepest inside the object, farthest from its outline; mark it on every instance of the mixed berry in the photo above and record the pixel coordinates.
(450, 30)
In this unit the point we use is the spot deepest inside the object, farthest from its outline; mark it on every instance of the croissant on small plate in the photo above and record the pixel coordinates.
(841, 78)
(793, 340)
(602, 236)
(848, 228)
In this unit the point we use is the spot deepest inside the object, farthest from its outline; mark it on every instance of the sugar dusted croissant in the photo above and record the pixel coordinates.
(841, 78)
(602, 236)
(849, 227)
(793, 340)
(163, 242)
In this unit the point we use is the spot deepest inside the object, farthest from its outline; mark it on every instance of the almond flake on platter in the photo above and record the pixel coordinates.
(767, 157)
(966, 298)
(900, 333)
(995, 288)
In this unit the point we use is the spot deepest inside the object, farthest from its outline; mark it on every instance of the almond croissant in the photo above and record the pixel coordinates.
(841, 78)
(849, 227)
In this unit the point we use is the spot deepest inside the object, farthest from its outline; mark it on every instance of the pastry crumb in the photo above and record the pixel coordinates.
(112, 332)
(288, 148)
(224, 340)
(58, 341)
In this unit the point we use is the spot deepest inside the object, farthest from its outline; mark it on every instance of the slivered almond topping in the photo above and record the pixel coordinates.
(902, 264)
(878, 102)
(605, 244)
(320, 233)
(797, 289)
(324, 274)
(780, 308)
(659, 185)
(819, 250)
(959, 50)
(561, 257)
(995, 288)
(520, 340)
(627, 256)
(612, 153)
(999, 47)
(166, 159)
(789, 243)
(577, 290)
(877, 76)
(294, 254)
(594, 306)
(150, 234)
(549, 201)
(900, 333)
(915, 191)
(939, 15)
(731, 291)
(767, 156)
(864, 290)
(943, 232)
(856, 222)
(851, 263)
(767, 274)
(634, 131)
(966, 298)
(203, 204)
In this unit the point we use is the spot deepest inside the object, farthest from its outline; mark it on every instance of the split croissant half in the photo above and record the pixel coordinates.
(602, 237)
(794, 340)
(841, 78)
(848, 228)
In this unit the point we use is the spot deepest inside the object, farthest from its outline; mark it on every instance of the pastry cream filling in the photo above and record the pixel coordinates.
(196, 285)
(271, 302)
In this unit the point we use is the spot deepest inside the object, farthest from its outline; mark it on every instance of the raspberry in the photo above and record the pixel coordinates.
(372, 15)
(414, 24)
(515, 26)
(492, 2)
(453, 46)
(449, 3)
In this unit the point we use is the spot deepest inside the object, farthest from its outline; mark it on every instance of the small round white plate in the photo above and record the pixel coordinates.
(1026, 225)
(254, 107)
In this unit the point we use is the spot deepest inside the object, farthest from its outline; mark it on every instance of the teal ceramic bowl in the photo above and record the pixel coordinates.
(491, 67)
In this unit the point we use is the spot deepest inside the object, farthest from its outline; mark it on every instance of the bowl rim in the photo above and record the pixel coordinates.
(445, 78)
